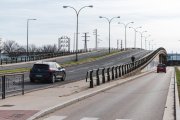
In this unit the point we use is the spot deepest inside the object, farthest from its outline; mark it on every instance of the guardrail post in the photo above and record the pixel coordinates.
(112, 71)
(22, 84)
(116, 72)
(122, 69)
(135, 65)
(108, 76)
(119, 70)
(91, 79)
(103, 75)
(125, 70)
(130, 67)
(3, 87)
(97, 77)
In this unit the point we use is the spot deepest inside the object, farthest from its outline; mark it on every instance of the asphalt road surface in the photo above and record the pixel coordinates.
(78, 72)
(143, 98)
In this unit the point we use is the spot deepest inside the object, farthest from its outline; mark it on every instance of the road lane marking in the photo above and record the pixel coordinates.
(88, 118)
(56, 118)
(123, 119)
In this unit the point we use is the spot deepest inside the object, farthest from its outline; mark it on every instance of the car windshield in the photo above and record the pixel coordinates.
(41, 66)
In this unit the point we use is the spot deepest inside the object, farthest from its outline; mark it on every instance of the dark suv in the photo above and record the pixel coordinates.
(47, 71)
(161, 68)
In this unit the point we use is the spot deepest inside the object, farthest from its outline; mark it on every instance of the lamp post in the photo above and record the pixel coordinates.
(28, 35)
(109, 21)
(125, 25)
(135, 30)
(146, 41)
(142, 36)
(77, 17)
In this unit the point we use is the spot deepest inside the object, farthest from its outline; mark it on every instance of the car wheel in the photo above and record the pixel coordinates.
(32, 80)
(64, 77)
(53, 79)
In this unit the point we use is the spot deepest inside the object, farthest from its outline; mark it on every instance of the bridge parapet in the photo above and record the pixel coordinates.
(107, 74)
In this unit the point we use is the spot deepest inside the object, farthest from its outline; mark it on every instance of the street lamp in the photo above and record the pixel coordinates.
(109, 21)
(135, 30)
(146, 40)
(142, 36)
(77, 14)
(28, 34)
(125, 25)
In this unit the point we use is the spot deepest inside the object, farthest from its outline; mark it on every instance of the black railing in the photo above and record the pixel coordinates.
(110, 73)
(38, 56)
(11, 84)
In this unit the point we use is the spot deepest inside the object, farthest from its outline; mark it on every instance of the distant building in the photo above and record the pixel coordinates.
(64, 43)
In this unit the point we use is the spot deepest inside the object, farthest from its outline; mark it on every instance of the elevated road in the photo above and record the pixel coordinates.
(143, 98)
(78, 72)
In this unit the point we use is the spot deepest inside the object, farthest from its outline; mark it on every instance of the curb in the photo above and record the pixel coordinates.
(177, 108)
(70, 102)
(169, 110)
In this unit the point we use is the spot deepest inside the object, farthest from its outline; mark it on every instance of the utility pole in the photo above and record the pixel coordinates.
(74, 43)
(96, 39)
(121, 44)
(117, 44)
(85, 41)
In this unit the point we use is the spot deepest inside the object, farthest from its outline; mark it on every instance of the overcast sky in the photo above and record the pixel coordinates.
(161, 18)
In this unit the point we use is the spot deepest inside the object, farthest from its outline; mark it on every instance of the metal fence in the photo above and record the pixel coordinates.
(39, 56)
(11, 84)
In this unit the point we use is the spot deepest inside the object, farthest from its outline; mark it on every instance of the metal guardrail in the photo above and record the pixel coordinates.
(37, 57)
(110, 73)
(11, 84)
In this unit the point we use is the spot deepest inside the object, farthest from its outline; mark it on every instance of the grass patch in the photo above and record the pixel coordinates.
(91, 59)
(18, 70)
(178, 80)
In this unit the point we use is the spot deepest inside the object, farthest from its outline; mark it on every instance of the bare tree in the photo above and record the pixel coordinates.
(1, 47)
(49, 48)
(12, 48)
(32, 48)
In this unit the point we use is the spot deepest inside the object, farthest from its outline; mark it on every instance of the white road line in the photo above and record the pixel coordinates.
(123, 119)
(88, 118)
(56, 118)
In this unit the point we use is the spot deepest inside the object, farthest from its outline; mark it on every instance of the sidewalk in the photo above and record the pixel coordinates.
(37, 103)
